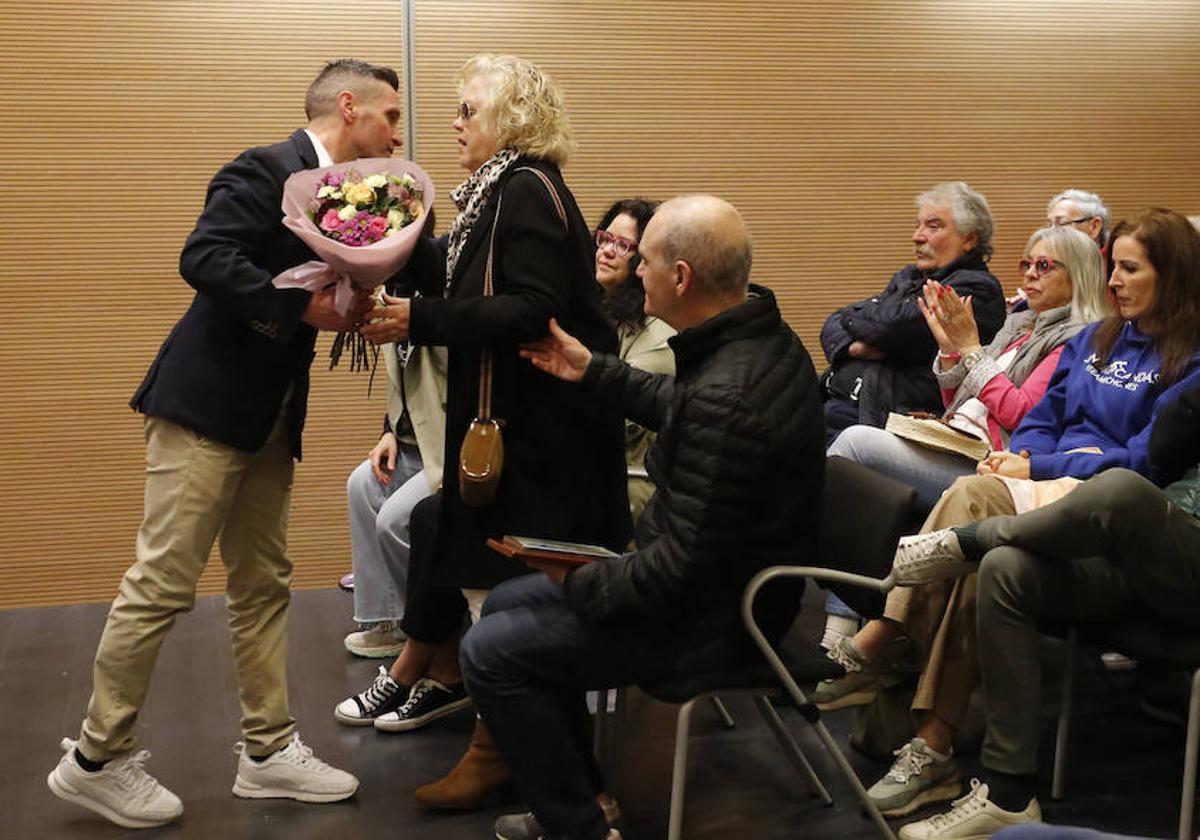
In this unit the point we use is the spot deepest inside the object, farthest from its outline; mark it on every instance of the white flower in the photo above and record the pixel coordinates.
(391, 232)
(348, 212)
(329, 192)
(375, 181)
(395, 218)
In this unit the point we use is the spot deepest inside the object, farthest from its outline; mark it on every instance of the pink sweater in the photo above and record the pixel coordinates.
(1006, 402)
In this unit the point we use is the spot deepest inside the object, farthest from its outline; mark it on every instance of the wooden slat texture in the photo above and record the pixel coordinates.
(118, 114)
(821, 121)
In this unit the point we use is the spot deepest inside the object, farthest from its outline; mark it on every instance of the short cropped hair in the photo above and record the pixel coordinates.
(970, 210)
(1080, 256)
(720, 264)
(343, 74)
(1089, 204)
(523, 104)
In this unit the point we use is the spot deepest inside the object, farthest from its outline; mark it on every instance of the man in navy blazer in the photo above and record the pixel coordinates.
(224, 405)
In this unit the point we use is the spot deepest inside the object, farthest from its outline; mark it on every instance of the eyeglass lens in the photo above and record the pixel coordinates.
(620, 244)
(1040, 266)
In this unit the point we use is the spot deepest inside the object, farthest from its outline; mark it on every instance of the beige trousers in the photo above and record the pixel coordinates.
(940, 617)
(196, 489)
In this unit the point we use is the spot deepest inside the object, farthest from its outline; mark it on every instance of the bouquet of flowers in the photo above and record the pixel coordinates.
(363, 220)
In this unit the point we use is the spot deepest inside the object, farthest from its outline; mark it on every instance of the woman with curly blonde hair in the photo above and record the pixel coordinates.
(517, 255)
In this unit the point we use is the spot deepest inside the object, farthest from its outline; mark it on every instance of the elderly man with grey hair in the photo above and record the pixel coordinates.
(879, 349)
(739, 466)
(1081, 210)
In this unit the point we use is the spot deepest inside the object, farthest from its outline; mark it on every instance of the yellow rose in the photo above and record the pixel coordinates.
(358, 193)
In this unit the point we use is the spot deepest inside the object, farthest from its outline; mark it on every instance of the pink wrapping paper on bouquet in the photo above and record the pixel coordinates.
(365, 263)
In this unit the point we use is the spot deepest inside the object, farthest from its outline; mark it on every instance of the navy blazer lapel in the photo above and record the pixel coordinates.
(304, 149)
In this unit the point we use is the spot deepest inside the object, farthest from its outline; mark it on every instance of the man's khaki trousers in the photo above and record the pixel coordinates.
(197, 489)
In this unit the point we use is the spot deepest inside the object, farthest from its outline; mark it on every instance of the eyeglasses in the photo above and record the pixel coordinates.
(1040, 266)
(466, 111)
(620, 245)
(1065, 222)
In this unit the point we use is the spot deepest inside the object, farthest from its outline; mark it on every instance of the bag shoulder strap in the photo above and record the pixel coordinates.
(558, 205)
(485, 358)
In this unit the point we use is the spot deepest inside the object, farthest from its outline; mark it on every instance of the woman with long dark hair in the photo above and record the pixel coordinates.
(643, 337)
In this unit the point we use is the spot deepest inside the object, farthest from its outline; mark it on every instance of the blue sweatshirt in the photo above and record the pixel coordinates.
(1111, 408)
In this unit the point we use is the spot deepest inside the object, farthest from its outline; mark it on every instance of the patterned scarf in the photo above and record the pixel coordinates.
(470, 197)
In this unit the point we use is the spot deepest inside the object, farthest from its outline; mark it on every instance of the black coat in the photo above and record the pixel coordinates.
(892, 322)
(564, 467)
(225, 367)
(739, 464)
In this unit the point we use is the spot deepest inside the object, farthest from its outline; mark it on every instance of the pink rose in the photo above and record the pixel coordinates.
(330, 221)
(377, 227)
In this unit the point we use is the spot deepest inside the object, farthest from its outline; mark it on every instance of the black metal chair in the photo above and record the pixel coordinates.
(1153, 645)
(863, 517)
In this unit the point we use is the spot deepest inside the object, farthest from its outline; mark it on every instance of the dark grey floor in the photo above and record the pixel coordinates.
(1125, 769)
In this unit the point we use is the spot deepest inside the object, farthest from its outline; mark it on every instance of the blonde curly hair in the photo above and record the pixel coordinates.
(522, 104)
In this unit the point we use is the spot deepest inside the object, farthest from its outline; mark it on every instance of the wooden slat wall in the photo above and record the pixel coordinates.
(820, 121)
(117, 114)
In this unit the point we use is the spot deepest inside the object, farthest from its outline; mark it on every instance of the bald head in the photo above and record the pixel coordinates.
(708, 234)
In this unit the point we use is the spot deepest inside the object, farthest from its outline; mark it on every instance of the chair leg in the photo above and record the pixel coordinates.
(600, 729)
(679, 770)
(1187, 801)
(723, 713)
(852, 777)
(1058, 782)
(784, 736)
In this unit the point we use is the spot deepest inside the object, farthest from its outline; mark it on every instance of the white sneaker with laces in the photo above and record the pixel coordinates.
(121, 791)
(925, 558)
(291, 773)
(377, 640)
(974, 817)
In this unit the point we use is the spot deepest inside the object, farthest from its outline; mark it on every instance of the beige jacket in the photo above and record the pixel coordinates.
(646, 349)
(425, 392)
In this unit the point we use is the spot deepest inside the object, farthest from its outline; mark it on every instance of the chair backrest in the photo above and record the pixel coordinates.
(863, 515)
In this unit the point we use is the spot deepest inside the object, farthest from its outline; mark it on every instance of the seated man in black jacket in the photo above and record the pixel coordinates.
(880, 349)
(1113, 547)
(739, 467)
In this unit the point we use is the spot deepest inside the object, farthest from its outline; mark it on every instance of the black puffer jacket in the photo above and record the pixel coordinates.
(892, 322)
(739, 465)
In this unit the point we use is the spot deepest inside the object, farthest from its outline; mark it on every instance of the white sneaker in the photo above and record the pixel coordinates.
(378, 640)
(974, 817)
(291, 773)
(121, 791)
(924, 558)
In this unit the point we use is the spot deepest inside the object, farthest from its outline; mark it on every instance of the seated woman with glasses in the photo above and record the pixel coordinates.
(643, 337)
(1112, 380)
(986, 390)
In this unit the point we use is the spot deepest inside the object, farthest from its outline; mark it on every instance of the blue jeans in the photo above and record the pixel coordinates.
(379, 538)
(527, 664)
(928, 471)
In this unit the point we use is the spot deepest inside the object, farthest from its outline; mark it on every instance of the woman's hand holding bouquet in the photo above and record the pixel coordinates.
(359, 219)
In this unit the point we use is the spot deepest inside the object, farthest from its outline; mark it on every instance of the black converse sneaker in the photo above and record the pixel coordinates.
(382, 696)
(428, 701)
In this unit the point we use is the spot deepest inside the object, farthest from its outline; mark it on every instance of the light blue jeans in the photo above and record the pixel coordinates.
(928, 471)
(379, 541)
